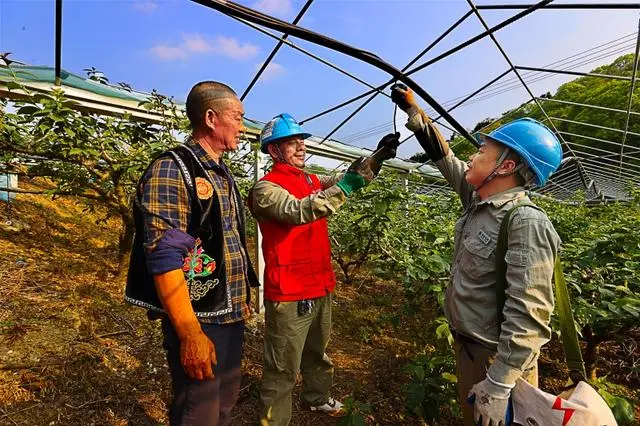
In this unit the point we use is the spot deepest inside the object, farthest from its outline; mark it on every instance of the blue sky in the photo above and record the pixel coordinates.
(169, 45)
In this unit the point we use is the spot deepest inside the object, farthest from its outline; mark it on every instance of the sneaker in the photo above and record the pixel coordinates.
(332, 407)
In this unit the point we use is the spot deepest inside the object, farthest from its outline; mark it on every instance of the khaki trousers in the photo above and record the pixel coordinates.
(295, 342)
(472, 362)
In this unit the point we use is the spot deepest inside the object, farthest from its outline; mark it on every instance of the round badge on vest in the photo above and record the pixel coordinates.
(204, 189)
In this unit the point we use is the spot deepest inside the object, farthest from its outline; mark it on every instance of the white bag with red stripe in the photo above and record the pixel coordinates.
(579, 406)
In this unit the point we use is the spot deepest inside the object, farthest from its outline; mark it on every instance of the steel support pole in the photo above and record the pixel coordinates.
(58, 41)
(257, 174)
(631, 89)
(445, 54)
(413, 61)
(619, 6)
(595, 126)
(306, 52)
(275, 50)
(586, 105)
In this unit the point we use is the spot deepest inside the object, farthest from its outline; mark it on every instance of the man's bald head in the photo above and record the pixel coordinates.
(208, 95)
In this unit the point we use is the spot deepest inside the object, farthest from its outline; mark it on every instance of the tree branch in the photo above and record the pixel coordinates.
(66, 194)
(89, 166)
(22, 191)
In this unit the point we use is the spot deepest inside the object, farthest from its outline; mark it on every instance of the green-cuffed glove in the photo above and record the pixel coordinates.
(351, 181)
(359, 175)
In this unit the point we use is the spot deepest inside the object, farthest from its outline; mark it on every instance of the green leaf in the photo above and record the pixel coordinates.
(623, 410)
(380, 207)
(27, 109)
(452, 378)
(437, 360)
(12, 85)
(419, 372)
(442, 331)
(632, 310)
(623, 289)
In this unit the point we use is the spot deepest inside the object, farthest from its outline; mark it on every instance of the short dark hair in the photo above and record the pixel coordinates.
(514, 156)
(206, 95)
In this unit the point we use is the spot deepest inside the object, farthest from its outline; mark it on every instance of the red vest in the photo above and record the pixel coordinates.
(297, 257)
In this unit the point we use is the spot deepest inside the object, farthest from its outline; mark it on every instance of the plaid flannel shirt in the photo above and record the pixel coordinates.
(166, 201)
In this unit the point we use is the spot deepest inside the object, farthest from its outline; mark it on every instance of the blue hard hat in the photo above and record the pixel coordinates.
(533, 141)
(280, 127)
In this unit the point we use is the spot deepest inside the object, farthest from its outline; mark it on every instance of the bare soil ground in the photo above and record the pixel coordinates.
(73, 353)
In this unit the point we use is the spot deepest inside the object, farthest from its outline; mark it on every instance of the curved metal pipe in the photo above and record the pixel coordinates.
(239, 11)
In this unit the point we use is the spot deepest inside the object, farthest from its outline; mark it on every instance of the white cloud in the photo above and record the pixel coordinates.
(194, 44)
(168, 53)
(231, 48)
(274, 7)
(272, 71)
(145, 6)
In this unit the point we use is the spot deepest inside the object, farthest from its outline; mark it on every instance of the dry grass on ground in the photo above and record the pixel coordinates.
(72, 352)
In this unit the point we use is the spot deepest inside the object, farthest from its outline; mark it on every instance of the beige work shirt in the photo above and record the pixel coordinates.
(470, 300)
(270, 201)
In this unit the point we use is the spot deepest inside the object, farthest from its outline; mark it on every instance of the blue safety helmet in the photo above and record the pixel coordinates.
(280, 127)
(533, 141)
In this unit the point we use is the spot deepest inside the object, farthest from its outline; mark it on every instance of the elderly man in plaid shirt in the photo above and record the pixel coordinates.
(189, 264)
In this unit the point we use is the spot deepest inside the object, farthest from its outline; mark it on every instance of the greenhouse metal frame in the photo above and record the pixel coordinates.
(581, 170)
(601, 172)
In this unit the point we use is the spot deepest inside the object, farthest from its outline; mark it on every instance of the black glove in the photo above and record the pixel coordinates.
(359, 175)
(385, 150)
(391, 140)
(387, 146)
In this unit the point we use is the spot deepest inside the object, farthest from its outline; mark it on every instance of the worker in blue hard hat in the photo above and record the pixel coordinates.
(498, 334)
(291, 207)
(280, 127)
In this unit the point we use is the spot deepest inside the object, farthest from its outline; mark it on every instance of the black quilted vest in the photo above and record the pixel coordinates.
(209, 293)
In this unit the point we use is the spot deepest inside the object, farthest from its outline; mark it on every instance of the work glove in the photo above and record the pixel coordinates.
(491, 403)
(389, 143)
(402, 96)
(385, 150)
(358, 175)
(433, 144)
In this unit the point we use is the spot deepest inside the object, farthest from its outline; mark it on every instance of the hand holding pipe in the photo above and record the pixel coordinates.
(239, 11)
(385, 150)
(362, 171)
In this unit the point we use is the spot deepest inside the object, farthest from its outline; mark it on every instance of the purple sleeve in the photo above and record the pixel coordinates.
(169, 253)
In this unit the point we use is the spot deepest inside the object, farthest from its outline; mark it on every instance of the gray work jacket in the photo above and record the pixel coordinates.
(470, 301)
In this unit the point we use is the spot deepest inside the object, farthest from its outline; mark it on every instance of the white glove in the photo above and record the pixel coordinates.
(490, 401)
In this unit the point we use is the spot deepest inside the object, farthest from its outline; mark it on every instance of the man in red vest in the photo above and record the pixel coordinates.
(291, 207)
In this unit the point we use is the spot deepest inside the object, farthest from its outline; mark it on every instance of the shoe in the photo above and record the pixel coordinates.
(332, 407)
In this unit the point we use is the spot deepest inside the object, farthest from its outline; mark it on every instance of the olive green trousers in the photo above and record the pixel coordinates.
(293, 343)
